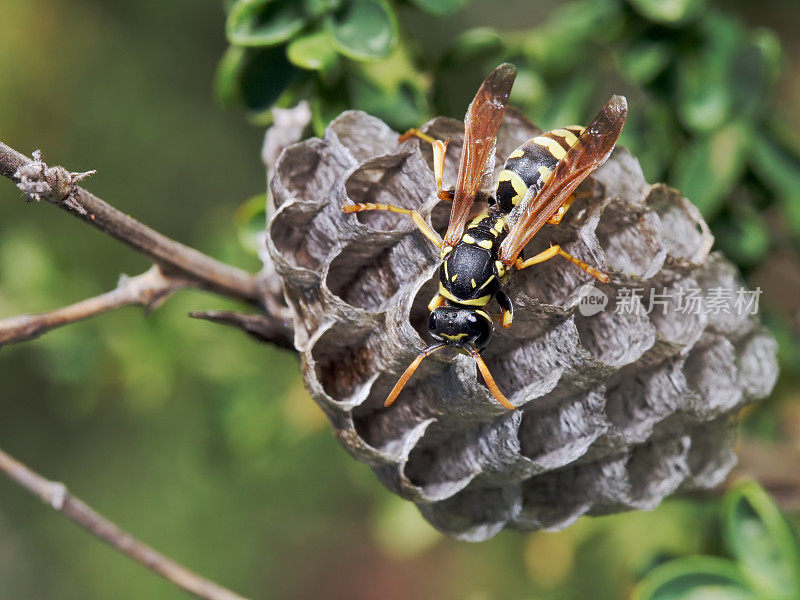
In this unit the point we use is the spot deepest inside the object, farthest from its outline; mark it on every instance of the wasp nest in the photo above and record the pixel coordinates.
(621, 400)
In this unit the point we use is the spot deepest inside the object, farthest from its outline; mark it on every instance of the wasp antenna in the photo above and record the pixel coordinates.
(490, 383)
(398, 387)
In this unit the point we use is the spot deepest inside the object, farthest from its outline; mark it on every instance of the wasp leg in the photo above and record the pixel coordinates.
(439, 151)
(555, 251)
(415, 216)
(435, 302)
(398, 387)
(507, 307)
(556, 218)
(490, 383)
(562, 210)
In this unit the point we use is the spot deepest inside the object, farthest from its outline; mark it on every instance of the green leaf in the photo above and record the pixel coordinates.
(402, 108)
(769, 46)
(226, 79)
(781, 173)
(760, 537)
(570, 104)
(668, 12)
(704, 99)
(530, 90)
(439, 8)
(705, 90)
(732, 73)
(326, 105)
(251, 221)
(391, 89)
(645, 60)
(745, 237)
(473, 44)
(755, 66)
(694, 578)
(707, 170)
(553, 50)
(317, 8)
(788, 346)
(363, 29)
(394, 70)
(753, 238)
(314, 52)
(471, 57)
(650, 133)
(264, 22)
(263, 75)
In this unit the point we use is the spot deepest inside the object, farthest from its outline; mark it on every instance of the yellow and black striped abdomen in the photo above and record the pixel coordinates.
(531, 164)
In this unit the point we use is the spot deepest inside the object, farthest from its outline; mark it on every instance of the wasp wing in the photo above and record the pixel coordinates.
(589, 151)
(480, 134)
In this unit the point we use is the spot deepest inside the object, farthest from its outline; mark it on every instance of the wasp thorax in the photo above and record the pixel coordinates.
(461, 326)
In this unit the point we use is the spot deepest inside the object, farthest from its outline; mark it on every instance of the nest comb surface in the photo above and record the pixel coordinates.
(616, 409)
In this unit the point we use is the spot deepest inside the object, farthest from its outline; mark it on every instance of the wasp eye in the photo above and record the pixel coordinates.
(474, 322)
(432, 322)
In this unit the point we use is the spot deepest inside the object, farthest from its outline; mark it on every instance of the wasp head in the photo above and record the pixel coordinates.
(467, 330)
(461, 327)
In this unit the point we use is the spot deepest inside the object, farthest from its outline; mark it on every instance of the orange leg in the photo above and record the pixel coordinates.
(556, 218)
(557, 251)
(490, 383)
(435, 302)
(439, 151)
(415, 216)
(398, 387)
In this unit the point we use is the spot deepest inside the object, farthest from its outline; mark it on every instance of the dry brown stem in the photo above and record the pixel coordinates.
(149, 290)
(177, 265)
(57, 496)
(58, 186)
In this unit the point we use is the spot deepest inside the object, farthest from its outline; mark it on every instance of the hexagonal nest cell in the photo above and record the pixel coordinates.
(615, 409)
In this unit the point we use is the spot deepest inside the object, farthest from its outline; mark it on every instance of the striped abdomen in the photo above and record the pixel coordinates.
(531, 164)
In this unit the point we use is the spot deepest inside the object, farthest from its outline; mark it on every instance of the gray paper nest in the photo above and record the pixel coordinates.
(616, 410)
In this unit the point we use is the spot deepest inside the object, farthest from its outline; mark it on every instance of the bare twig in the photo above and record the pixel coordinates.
(178, 265)
(263, 328)
(58, 186)
(58, 497)
(149, 289)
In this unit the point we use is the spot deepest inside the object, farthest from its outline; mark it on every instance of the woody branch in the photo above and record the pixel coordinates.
(149, 290)
(177, 265)
(57, 496)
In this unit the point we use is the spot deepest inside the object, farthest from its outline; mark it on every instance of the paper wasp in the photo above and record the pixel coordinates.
(536, 186)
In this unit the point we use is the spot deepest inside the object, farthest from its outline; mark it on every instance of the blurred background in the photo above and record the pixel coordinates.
(203, 443)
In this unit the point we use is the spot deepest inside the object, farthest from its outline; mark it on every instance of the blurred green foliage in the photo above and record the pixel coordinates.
(765, 557)
(193, 437)
(284, 50)
(700, 84)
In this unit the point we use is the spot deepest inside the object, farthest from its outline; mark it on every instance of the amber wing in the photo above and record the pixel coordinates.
(588, 152)
(480, 133)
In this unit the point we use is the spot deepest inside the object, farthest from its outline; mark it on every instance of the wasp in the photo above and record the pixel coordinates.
(536, 186)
